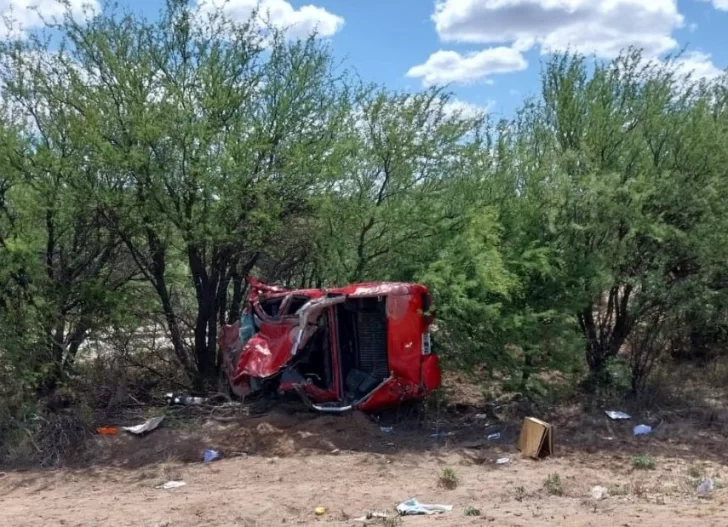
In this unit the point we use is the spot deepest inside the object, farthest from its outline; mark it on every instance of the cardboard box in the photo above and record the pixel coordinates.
(537, 438)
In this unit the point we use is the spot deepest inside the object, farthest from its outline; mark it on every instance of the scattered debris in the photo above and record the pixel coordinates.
(335, 452)
(537, 438)
(599, 493)
(502, 461)
(146, 426)
(480, 416)
(616, 415)
(171, 485)
(493, 437)
(440, 435)
(641, 430)
(386, 429)
(107, 430)
(412, 506)
(705, 487)
(184, 400)
(471, 511)
(210, 455)
(372, 516)
(320, 511)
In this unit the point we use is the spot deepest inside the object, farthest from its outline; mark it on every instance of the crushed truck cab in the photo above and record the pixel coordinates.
(363, 346)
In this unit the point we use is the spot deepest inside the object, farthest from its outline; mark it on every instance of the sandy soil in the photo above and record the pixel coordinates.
(294, 463)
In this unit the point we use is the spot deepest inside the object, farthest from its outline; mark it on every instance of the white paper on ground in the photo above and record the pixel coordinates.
(616, 415)
(171, 485)
(412, 506)
(146, 426)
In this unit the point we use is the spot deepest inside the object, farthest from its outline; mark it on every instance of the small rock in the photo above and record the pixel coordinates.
(599, 493)
(705, 487)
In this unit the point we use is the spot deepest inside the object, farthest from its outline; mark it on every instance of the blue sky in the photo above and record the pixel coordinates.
(488, 52)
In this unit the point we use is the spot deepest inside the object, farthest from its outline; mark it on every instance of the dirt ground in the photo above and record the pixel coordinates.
(277, 468)
(269, 491)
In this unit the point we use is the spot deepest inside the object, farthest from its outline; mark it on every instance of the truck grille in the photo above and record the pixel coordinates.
(372, 336)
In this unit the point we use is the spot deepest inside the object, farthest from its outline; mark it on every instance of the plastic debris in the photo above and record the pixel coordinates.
(502, 461)
(412, 506)
(107, 430)
(705, 487)
(480, 416)
(210, 455)
(171, 485)
(146, 426)
(599, 493)
(372, 516)
(493, 437)
(387, 429)
(440, 435)
(616, 415)
(641, 430)
(320, 511)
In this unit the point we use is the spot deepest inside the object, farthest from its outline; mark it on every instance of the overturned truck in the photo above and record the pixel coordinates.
(363, 346)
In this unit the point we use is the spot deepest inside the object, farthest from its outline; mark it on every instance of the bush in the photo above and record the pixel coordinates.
(553, 485)
(644, 462)
(448, 479)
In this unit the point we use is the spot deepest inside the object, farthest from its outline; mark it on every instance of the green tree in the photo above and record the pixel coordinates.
(202, 139)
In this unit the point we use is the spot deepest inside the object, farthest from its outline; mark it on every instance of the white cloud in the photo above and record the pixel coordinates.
(21, 16)
(299, 23)
(697, 64)
(444, 67)
(464, 109)
(603, 27)
(721, 5)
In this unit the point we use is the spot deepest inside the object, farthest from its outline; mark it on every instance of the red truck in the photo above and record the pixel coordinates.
(362, 346)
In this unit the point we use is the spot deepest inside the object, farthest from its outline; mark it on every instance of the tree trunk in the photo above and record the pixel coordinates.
(605, 338)
(240, 287)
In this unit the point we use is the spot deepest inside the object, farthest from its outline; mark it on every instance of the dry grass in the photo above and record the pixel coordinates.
(520, 493)
(696, 471)
(644, 462)
(448, 479)
(553, 485)
(617, 489)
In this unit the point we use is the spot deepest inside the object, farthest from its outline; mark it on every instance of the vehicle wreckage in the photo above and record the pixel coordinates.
(362, 346)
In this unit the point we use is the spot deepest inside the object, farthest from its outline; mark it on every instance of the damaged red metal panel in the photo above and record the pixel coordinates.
(404, 336)
(391, 392)
(265, 353)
